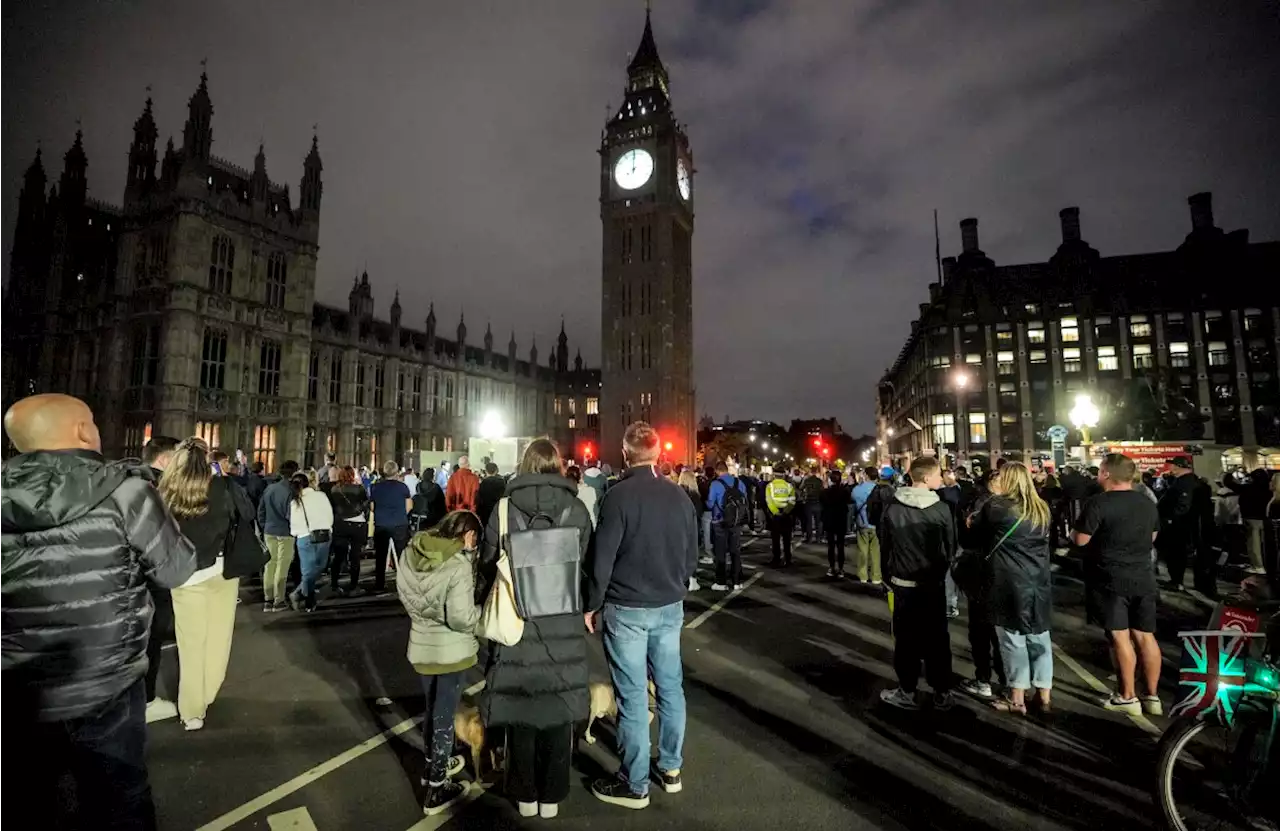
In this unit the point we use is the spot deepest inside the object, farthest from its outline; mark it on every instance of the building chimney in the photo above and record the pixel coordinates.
(969, 235)
(948, 269)
(1201, 211)
(935, 291)
(924, 309)
(1070, 218)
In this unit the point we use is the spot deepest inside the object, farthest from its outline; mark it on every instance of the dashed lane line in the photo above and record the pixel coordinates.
(722, 602)
(1090, 679)
(297, 819)
(305, 778)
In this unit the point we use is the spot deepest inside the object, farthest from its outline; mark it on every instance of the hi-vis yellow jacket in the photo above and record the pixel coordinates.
(780, 496)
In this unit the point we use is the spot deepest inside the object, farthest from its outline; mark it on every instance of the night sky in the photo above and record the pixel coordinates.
(459, 142)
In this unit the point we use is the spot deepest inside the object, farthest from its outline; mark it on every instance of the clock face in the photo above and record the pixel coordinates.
(633, 169)
(682, 179)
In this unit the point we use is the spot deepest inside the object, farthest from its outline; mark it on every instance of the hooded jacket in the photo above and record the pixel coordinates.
(81, 541)
(428, 503)
(917, 537)
(541, 681)
(595, 478)
(436, 583)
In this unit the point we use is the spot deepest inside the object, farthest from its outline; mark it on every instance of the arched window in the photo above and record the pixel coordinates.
(222, 260)
(275, 281)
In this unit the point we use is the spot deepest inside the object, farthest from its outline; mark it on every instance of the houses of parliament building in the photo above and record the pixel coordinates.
(190, 309)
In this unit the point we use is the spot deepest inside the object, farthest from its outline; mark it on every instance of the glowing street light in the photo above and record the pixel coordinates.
(491, 426)
(752, 438)
(890, 432)
(1084, 415)
(764, 446)
(960, 379)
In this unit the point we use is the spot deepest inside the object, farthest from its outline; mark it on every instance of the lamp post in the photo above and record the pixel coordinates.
(1084, 415)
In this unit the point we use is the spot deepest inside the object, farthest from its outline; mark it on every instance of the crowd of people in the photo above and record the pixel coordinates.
(102, 559)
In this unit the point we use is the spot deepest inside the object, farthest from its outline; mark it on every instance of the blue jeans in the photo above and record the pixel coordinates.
(639, 643)
(953, 594)
(706, 531)
(312, 557)
(1028, 659)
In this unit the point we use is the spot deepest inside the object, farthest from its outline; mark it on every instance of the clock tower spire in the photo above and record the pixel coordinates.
(646, 213)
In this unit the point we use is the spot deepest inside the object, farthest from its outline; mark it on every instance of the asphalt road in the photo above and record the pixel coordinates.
(785, 727)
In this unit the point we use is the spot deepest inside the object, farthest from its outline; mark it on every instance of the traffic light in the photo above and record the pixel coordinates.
(817, 442)
(826, 452)
(668, 446)
(587, 450)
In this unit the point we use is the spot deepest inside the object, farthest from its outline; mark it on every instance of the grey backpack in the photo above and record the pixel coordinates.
(545, 555)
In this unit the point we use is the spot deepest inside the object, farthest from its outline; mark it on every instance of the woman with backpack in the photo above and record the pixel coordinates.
(538, 687)
(436, 584)
(1012, 531)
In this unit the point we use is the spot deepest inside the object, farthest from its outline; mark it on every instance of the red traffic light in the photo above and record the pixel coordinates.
(668, 446)
(817, 442)
(586, 450)
(826, 451)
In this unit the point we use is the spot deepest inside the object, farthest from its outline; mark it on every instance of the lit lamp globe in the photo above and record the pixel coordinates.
(1084, 415)
(491, 426)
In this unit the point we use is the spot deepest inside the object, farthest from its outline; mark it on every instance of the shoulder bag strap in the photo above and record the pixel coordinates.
(503, 526)
(302, 503)
(1006, 536)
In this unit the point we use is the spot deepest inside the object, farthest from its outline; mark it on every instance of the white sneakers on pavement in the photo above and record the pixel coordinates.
(160, 709)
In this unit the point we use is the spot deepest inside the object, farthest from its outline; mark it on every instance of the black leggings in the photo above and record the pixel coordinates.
(348, 546)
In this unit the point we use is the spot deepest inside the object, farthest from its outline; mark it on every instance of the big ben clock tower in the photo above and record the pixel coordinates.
(646, 213)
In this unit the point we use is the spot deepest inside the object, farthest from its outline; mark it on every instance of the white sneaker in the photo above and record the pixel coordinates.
(193, 724)
(527, 809)
(1151, 705)
(706, 560)
(159, 709)
(831, 572)
(897, 697)
(548, 811)
(693, 584)
(721, 587)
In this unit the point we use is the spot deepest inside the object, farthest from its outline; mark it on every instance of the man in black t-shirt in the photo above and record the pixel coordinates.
(1117, 527)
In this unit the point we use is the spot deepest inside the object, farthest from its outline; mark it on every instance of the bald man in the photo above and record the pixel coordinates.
(82, 540)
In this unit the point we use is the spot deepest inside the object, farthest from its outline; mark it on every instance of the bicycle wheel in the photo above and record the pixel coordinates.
(1199, 775)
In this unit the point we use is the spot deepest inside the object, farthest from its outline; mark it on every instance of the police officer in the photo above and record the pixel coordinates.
(780, 499)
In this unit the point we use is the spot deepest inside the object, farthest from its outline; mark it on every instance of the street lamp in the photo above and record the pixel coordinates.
(491, 426)
(1084, 415)
(890, 432)
(752, 438)
(960, 379)
(764, 446)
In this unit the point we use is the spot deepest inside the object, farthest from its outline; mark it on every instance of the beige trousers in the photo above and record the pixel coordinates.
(276, 572)
(204, 617)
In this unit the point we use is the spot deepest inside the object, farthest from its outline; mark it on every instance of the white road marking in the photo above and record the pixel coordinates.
(1089, 678)
(305, 778)
(298, 819)
(720, 604)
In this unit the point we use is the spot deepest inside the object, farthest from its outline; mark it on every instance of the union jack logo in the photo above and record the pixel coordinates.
(1212, 671)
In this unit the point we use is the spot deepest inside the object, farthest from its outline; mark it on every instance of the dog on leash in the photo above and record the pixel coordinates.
(604, 705)
(469, 730)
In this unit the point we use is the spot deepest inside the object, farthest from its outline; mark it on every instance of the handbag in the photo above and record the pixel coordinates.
(500, 621)
(320, 535)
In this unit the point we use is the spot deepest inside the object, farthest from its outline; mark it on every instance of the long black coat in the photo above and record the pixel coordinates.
(1019, 581)
(541, 681)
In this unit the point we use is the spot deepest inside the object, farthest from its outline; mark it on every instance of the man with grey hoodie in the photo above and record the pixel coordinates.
(918, 542)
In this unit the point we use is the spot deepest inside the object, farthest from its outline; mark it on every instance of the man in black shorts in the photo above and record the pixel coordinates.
(1117, 527)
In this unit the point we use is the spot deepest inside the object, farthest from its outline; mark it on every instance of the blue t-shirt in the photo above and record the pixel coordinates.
(388, 496)
(861, 493)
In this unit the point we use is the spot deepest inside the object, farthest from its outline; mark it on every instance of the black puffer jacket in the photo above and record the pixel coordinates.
(541, 681)
(81, 541)
(1018, 576)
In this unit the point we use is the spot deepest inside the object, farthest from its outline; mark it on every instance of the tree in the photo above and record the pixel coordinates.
(1154, 408)
(723, 447)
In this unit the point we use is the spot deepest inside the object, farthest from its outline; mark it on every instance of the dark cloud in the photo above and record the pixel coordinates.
(459, 144)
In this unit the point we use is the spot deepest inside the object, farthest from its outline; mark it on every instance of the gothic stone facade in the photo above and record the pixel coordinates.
(646, 210)
(190, 309)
